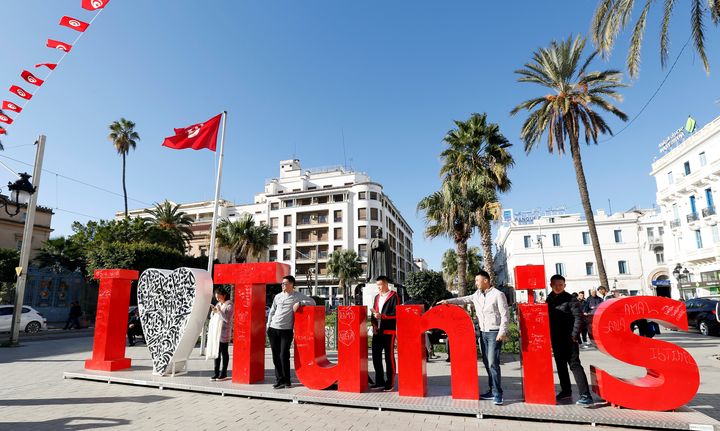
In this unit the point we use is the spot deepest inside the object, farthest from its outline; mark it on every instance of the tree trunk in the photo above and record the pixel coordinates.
(462, 268)
(124, 188)
(486, 238)
(585, 199)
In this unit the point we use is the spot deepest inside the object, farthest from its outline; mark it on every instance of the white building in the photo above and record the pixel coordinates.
(631, 244)
(313, 213)
(420, 264)
(688, 178)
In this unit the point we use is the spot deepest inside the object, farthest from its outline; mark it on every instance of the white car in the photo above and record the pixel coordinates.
(31, 321)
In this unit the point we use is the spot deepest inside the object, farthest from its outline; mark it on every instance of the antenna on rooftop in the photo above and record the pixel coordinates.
(342, 133)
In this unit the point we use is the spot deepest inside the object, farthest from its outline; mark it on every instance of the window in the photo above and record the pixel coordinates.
(715, 234)
(362, 232)
(703, 159)
(374, 196)
(286, 254)
(698, 239)
(686, 166)
(362, 195)
(670, 178)
(556, 239)
(327, 186)
(274, 222)
(586, 238)
(288, 220)
(618, 236)
(362, 250)
(338, 198)
(709, 199)
(338, 216)
(589, 268)
(676, 212)
(288, 203)
(312, 187)
(560, 269)
(659, 255)
(622, 267)
(273, 239)
(362, 213)
(338, 233)
(6, 311)
(374, 214)
(273, 256)
(527, 241)
(551, 219)
(275, 206)
(661, 231)
(287, 237)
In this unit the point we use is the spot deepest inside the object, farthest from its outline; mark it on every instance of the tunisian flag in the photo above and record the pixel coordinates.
(5, 119)
(9, 106)
(31, 79)
(3, 131)
(20, 92)
(94, 4)
(197, 136)
(74, 24)
(50, 66)
(56, 44)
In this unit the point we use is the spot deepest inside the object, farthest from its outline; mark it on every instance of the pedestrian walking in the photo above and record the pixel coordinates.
(74, 316)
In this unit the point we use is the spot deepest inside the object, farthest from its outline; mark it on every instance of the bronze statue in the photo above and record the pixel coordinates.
(379, 262)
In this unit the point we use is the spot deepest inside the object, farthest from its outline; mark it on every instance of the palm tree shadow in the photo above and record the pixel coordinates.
(75, 401)
(66, 424)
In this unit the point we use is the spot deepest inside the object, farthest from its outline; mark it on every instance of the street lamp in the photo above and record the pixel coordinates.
(20, 192)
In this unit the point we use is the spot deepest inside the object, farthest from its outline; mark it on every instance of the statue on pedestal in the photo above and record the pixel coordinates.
(379, 262)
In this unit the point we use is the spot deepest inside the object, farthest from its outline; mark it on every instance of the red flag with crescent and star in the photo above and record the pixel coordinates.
(197, 136)
(9, 106)
(94, 4)
(31, 79)
(74, 24)
(5, 119)
(56, 44)
(20, 92)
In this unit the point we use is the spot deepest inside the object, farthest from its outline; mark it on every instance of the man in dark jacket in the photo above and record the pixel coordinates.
(565, 324)
(134, 328)
(74, 316)
(383, 324)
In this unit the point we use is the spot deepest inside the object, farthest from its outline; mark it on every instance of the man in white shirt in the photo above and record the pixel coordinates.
(492, 315)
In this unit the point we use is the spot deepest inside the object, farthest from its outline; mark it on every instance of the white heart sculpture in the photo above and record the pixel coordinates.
(173, 306)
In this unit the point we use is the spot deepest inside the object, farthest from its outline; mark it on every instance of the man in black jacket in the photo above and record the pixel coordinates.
(565, 324)
(383, 324)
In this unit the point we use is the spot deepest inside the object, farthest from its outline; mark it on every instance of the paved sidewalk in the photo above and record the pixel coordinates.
(33, 396)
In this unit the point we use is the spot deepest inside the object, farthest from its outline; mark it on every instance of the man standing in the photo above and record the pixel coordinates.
(603, 293)
(383, 323)
(588, 310)
(280, 321)
(565, 318)
(583, 323)
(492, 316)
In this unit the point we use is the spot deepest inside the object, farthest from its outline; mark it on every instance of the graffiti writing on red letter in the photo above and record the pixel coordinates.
(670, 354)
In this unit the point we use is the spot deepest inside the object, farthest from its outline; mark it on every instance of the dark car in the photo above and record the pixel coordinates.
(703, 314)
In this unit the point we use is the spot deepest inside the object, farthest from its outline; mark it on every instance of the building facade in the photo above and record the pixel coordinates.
(687, 176)
(12, 227)
(313, 213)
(631, 244)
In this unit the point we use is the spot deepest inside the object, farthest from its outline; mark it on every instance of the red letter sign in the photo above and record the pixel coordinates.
(672, 375)
(249, 327)
(411, 327)
(111, 320)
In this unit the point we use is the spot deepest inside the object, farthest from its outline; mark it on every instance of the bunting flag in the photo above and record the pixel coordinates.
(94, 4)
(31, 79)
(3, 131)
(197, 136)
(74, 24)
(5, 119)
(56, 44)
(11, 107)
(50, 66)
(20, 92)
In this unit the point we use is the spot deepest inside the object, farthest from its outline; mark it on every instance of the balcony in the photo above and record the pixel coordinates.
(675, 224)
(693, 220)
(709, 211)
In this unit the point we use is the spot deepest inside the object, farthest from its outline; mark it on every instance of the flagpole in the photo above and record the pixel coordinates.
(213, 229)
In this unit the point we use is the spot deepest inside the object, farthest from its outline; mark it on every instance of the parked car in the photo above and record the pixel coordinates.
(30, 321)
(703, 314)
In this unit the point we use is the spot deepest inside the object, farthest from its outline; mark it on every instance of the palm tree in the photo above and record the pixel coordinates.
(168, 217)
(448, 213)
(478, 157)
(613, 16)
(345, 265)
(576, 94)
(450, 265)
(243, 237)
(124, 137)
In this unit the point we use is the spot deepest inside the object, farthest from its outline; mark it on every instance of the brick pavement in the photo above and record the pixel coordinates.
(33, 396)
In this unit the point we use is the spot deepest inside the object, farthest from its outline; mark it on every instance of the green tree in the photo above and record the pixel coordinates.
(345, 265)
(169, 218)
(124, 138)
(60, 253)
(478, 157)
(613, 16)
(138, 256)
(448, 213)
(572, 105)
(243, 238)
(450, 266)
(428, 286)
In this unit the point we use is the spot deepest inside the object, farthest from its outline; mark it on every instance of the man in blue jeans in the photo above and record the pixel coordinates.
(492, 315)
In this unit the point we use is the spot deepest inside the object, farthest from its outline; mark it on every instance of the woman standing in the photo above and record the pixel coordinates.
(224, 310)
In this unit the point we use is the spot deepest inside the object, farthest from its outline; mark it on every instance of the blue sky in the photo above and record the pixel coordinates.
(293, 75)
